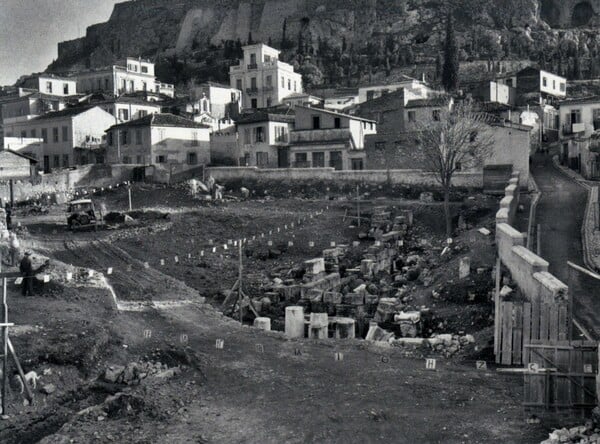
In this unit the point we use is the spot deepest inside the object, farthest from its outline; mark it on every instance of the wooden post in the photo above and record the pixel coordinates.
(12, 193)
(358, 203)
(4, 343)
(129, 194)
(240, 271)
(497, 310)
(539, 240)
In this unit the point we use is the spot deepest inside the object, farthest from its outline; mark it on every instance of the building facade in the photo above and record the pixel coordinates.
(264, 139)
(126, 108)
(132, 75)
(414, 89)
(159, 139)
(263, 79)
(579, 135)
(64, 131)
(49, 84)
(221, 101)
(324, 138)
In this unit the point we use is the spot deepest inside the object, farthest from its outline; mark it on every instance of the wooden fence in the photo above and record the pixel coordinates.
(521, 323)
(562, 375)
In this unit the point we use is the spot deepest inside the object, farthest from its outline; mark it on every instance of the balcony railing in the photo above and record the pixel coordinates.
(252, 90)
(252, 66)
(320, 135)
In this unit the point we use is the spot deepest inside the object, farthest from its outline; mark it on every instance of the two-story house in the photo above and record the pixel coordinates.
(159, 139)
(538, 91)
(77, 130)
(325, 138)
(49, 84)
(263, 79)
(263, 138)
(580, 134)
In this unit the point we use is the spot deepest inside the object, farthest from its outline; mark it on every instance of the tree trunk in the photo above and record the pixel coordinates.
(447, 212)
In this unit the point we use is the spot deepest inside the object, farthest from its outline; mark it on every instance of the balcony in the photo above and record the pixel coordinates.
(252, 91)
(311, 136)
(569, 129)
(252, 66)
(268, 88)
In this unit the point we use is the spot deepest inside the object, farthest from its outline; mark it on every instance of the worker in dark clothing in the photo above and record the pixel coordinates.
(26, 268)
(8, 217)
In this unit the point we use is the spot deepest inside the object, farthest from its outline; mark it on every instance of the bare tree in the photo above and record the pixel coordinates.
(450, 140)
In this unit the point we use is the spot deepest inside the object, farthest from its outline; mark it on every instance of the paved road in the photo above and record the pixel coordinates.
(560, 213)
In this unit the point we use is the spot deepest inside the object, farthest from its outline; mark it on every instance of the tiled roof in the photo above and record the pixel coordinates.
(266, 116)
(335, 113)
(67, 112)
(432, 101)
(164, 119)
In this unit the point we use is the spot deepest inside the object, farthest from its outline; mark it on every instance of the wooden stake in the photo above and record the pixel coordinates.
(4, 343)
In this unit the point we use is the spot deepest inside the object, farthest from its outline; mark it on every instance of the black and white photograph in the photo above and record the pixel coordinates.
(299, 221)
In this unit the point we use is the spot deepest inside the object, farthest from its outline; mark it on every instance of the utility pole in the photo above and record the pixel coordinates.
(240, 274)
(358, 203)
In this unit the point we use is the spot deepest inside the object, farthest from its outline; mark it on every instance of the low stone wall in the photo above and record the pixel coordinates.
(67, 181)
(407, 177)
(528, 270)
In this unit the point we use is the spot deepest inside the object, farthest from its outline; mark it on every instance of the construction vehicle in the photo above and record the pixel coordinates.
(82, 213)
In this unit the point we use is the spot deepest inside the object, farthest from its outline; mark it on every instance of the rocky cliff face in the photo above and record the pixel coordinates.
(361, 35)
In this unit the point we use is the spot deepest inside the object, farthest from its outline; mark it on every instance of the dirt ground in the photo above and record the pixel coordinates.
(260, 387)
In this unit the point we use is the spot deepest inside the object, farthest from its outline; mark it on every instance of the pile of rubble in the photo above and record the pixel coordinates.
(135, 372)
(585, 434)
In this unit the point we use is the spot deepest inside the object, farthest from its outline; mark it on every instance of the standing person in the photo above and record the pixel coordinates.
(26, 268)
(8, 217)
(14, 249)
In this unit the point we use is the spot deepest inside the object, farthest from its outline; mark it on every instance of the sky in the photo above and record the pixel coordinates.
(31, 29)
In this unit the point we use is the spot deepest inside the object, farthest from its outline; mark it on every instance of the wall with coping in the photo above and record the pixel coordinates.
(528, 270)
(408, 177)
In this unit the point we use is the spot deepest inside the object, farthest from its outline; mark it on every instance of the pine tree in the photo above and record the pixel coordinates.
(439, 66)
(451, 64)
(284, 35)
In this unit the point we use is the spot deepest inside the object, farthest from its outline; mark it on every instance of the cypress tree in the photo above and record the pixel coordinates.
(451, 65)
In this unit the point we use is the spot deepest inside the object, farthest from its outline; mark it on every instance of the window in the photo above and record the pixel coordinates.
(144, 86)
(294, 86)
(23, 134)
(301, 160)
(238, 84)
(282, 82)
(145, 71)
(160, 159)
(318, 159)
(99, 83)
(66, 89)
(269, 81)
(435, 114)
(138, 137)
(124, 114)
(45, 135)
(289, 85)
(337, 122)
(262, 159)
(233, 97)
(106, 84)
(357, 164)
(253, 83)
(126, 159)
(195, 138)
(316, 122)
(192, 159)
(260, 134)
(33, 133)
(596, 118)
(65, 160)
(55, 135)
(544, 81)
(124, 137)
(563, 87)
(110, 139)
(131, 85)
(49, 87)
(553, 84)
(253, 59)
(143, 113)
(65, 133)
(138, 159)
(254, 103)
(56, 161)
(412, 116)
(269, 102)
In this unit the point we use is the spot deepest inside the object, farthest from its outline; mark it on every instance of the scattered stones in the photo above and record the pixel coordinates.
(48, 389)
